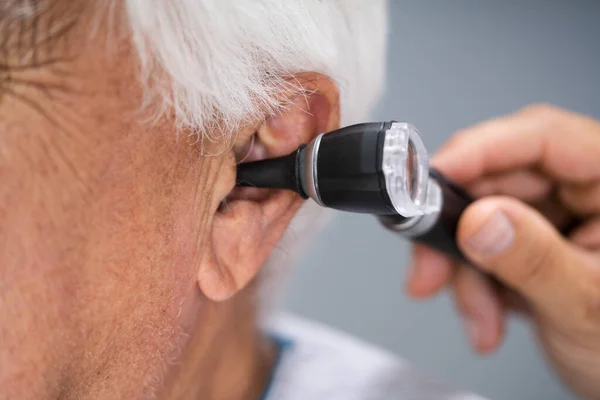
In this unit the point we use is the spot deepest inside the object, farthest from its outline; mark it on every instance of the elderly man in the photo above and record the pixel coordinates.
(130, 268)
(127, 264)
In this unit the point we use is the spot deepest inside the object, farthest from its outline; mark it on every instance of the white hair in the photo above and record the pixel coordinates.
(224, 61)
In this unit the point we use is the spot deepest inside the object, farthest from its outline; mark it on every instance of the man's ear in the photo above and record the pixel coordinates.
(248, 227)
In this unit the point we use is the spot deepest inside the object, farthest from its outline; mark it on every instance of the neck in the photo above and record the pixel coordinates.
(229, 358)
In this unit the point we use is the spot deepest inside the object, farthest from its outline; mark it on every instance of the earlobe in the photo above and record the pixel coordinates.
(246, 230)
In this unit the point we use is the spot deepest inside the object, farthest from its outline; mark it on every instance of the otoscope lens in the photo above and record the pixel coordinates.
(411, 169)
(405, 167)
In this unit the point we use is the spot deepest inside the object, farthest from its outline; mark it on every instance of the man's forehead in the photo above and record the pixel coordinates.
(34, 32)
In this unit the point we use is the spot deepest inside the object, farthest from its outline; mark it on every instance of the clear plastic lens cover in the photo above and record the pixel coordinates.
(406, 170)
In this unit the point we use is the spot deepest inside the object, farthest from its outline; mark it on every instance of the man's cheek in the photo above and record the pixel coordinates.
(140, 299)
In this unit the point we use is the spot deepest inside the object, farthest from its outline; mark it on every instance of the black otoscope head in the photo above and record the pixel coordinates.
(375, 168)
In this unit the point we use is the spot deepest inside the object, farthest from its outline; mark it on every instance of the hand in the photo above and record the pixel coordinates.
(537, 170)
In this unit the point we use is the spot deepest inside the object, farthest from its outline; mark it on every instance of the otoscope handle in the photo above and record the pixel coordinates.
(442, 235)
(438, 231)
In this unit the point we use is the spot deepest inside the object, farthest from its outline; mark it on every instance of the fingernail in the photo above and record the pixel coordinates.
(494, 237)
(473, 331)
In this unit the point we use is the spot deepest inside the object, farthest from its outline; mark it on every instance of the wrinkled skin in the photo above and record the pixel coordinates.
(122, 275)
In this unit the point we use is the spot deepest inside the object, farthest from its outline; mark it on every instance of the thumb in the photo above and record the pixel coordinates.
(515, 243)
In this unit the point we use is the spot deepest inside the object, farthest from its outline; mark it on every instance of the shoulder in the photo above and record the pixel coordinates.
(318, 362)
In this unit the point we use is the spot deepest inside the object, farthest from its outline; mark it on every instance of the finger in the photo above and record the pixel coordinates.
(582, 200)
(525, 184)
(587, 235)
(481, 309)
(430, 272)
(529, 186)
(518, 245)
(541, 137)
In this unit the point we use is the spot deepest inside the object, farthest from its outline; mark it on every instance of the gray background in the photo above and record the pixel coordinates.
(451, 64)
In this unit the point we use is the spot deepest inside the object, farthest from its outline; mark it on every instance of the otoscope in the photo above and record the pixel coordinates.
(378, 168)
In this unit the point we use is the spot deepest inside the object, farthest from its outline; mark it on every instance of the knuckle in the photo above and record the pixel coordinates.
(545, 117)
(591, 315)
(459, 297)
(457, 284)
(579, 299)
(540, 110)
(538, 259)
(591, 301)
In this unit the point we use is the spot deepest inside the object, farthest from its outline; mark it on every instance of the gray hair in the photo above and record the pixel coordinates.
(220, 63)
(225, 60)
